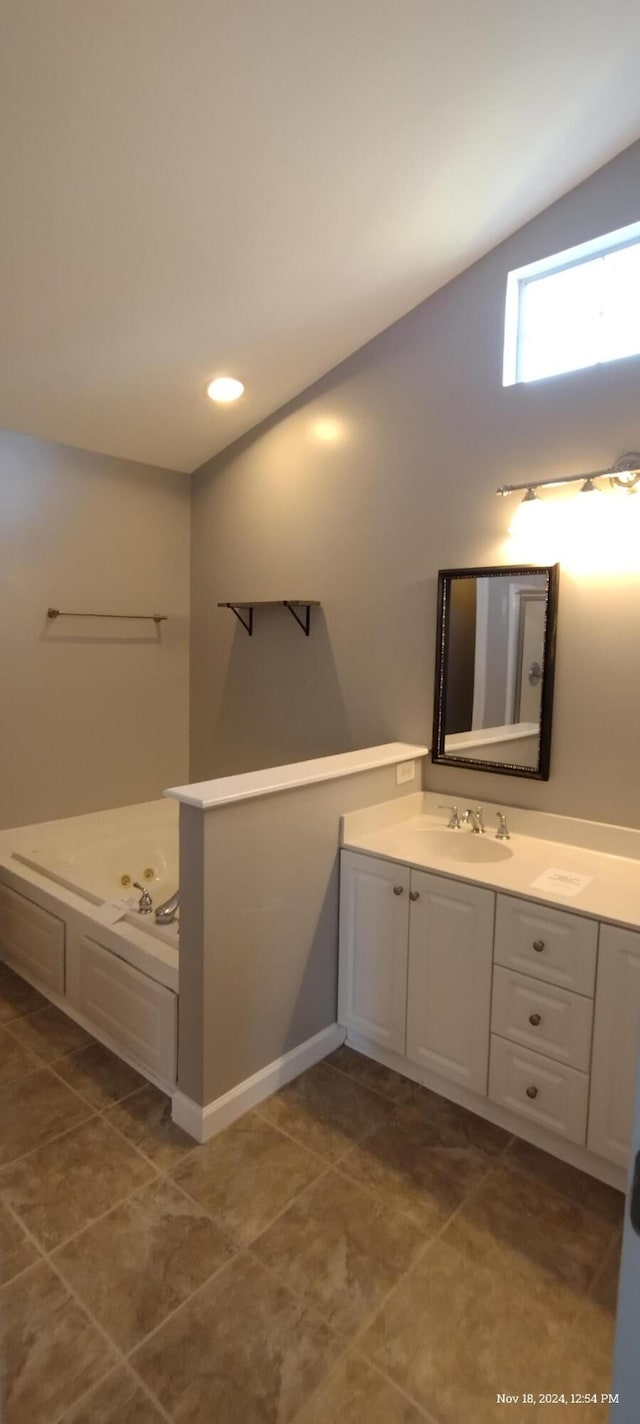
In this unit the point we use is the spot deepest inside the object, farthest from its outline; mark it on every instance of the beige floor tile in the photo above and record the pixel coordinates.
(136, 1265)
(596, 1318)
(341, 1249)
(370, 1074)
(16, 996)
(145, 1118)
(50, 1034)
(325, 1110)
(33, 1111)
(455, 1128)
(409, 1169)
(120, 1399)
(454, 1334)
(356, 1394)
(99, 1076)
(60, 1188)
(574, 1367)
(15, 1062)
(537, 1233)
(17, 1252)
(587, 1191)
(52, 1353)
(246, 1175)
(242, 1351)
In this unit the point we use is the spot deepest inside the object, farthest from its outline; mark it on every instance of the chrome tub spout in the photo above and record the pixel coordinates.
(167, 911)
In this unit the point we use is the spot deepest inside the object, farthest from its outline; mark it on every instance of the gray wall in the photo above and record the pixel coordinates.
(259, 926)
(425, 433)
(92, 714)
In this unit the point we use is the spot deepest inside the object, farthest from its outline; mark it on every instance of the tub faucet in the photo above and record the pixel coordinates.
(167, 911)
(475, 818)
(145, 903)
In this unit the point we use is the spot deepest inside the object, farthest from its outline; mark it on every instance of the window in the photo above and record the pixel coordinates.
(574, 310)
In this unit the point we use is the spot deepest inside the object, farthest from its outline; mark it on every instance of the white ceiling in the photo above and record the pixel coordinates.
(257, 187)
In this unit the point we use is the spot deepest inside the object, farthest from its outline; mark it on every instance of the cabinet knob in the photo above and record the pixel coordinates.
(414, 894)
(397, 889)
(538, 945)
(534, 1019)
(532, 1092)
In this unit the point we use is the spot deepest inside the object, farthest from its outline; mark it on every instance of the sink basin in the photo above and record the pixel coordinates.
(463, 846)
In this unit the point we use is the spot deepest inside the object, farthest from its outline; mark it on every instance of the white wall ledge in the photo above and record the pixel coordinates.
(208, 794)
(485, 736)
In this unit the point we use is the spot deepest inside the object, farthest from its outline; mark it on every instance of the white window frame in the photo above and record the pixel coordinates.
(519, 279)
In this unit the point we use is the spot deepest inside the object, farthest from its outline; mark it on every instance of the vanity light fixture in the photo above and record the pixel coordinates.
(224, 389)
(625, 473)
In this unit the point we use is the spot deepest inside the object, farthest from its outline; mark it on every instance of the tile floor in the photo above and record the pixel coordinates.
(356, 1251)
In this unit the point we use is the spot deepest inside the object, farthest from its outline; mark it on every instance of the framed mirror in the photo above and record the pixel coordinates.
(495, 648)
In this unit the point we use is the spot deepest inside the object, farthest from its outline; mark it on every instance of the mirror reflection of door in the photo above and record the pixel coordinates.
(531, 620)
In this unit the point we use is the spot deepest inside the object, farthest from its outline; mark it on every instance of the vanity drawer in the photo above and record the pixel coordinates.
(548, 1093)
(542, 1017)
(552, 945)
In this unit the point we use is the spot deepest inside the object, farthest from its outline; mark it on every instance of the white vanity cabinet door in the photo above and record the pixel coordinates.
(449, 988)
(374, 932)
(549, 944)
(615, 1044)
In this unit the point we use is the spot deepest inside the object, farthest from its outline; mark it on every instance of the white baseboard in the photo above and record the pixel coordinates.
(203, 1122)
(551, 1142)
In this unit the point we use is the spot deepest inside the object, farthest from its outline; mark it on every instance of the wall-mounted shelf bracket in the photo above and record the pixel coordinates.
(239, 609)
(304, 623)
(293, 604)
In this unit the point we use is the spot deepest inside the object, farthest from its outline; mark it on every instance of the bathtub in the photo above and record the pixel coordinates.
(102, 861)
(70, 924)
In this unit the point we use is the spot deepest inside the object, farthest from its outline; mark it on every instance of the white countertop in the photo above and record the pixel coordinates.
(207, 794)
(602, 863)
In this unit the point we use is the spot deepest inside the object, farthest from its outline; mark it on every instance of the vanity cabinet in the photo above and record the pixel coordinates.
(449, 980)
(374, 948)
(415, 965)
(616, 1035)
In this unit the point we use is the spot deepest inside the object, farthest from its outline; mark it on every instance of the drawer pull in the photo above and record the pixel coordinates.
(532, 1092)
(397, 889)
(538, 945)
(414, 894)
(534, 1019)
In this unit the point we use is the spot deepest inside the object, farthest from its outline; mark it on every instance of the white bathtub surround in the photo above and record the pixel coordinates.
(117, 977)
(259, 917)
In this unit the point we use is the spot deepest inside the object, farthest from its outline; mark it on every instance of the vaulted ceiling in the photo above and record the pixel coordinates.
(192, 187)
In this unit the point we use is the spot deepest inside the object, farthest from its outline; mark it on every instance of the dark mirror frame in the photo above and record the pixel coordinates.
(438, 754)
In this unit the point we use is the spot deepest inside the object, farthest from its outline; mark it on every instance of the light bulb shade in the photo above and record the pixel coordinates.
(224, 389)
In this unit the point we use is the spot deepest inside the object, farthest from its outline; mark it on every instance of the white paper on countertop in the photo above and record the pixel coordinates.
(561, 882)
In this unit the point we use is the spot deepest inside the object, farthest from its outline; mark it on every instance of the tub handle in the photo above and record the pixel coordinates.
(145, 903)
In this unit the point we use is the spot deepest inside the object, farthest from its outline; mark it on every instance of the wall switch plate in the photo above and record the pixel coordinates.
(405, 771)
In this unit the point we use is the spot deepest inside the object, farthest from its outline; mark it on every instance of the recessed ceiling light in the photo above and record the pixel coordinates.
(224, 388)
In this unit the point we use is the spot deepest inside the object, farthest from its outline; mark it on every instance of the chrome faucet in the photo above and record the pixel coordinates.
(502, 833)
(145, 903)
(454, 822)
(167, 911)
(475, 819)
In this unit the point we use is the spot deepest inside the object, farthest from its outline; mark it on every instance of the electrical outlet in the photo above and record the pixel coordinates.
(405, 771)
